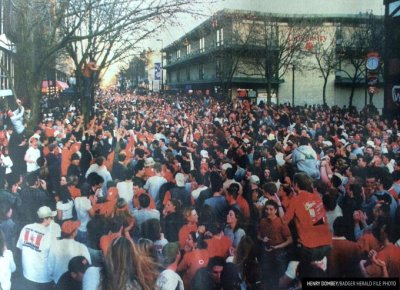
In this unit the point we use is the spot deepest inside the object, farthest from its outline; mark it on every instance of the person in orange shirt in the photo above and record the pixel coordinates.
(219, 244)
(308, 213)
(191, 217)
(345, 254)
(386, 261)
(275, 237)
(66, 157)
(195, 258)
(115, 231)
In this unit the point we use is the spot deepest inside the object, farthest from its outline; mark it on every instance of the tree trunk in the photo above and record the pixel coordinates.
(351, 97)
(324, 91)
(371, 96)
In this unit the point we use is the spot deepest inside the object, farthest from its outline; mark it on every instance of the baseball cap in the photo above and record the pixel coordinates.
(254, 179)
(225, 166)
(204, 154)
(78, 264)
(69, 227)
(45, 212)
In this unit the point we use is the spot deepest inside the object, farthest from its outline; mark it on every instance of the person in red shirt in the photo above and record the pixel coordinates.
(219, 244)
(308, 212)
(275, 237)
(192, 219)
(345, 254)
(196, 258)
(386, 261)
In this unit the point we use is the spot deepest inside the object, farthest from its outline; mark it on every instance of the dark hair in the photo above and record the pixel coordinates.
(270, 187)
(144, 201)
(233, 190)
(216, 181)
(340, 227)
(303, 181)
(151, 229)
(216, 261)
(230, 173)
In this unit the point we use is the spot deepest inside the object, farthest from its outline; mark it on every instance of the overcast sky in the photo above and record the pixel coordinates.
(275, 6)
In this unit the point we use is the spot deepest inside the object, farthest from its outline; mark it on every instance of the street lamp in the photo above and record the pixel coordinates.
(162, 64)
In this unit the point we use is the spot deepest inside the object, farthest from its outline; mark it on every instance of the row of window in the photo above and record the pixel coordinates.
(220, 41)
(218, 72)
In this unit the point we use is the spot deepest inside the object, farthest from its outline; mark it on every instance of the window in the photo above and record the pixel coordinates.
(201, 44)
(220, 37)
(201, 71)
(178, 54)
(188, 48)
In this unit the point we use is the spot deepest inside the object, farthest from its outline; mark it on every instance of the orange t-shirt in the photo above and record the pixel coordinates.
(343, 258)
(391, 256)
(368, 242)
(192, 262)
(244, 207)
(309, 215)
(184, 232)
(276, 230)
(219, 246)
(65, 160)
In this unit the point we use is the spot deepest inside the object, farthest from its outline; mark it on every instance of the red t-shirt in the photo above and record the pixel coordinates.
(309, 215)
(191, 263)
(391, 256)
(276, 230)
(219, 246)
(105, 241)
(343, 258)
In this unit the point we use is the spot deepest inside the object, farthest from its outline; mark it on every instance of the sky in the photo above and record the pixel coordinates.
(273, 6)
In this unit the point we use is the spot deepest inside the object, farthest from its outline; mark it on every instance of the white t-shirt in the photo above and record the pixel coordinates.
(82, 206)
(32, 154)
(61, 253)
(91, 279)
(125, 191)
(169, 280)
(66, 209)
(35, 241)
(7, 266)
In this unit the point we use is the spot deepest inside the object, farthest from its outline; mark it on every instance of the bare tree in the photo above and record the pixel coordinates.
(104, 30)
(324, 55)
(282, 45)
(353, 44)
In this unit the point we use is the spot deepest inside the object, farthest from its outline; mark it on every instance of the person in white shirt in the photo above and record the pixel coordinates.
(169, 279)
(32, 155)
(62, 251)
(34, 242)
(125, 189)
(100, 168)
(7, 264)
(154, 183)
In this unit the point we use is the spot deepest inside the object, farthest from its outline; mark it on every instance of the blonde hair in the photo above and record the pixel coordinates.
(126, 267)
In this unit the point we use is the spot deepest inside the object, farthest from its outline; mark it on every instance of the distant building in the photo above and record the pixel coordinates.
(232, 52)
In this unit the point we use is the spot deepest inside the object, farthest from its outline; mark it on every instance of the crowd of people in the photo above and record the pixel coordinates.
(191, 192)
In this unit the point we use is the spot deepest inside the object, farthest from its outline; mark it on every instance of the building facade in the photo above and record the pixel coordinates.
(245, 53)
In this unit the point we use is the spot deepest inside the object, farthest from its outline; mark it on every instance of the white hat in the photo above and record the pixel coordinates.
(204, 154)
(225, 166)
(180, 179)
(343, 141)
(327, 143)
(254, 179)
(45, 212)
(370, 143)
(149, 162)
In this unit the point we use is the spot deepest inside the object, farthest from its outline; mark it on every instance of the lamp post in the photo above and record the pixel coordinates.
(162, 64)
(293, 69)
